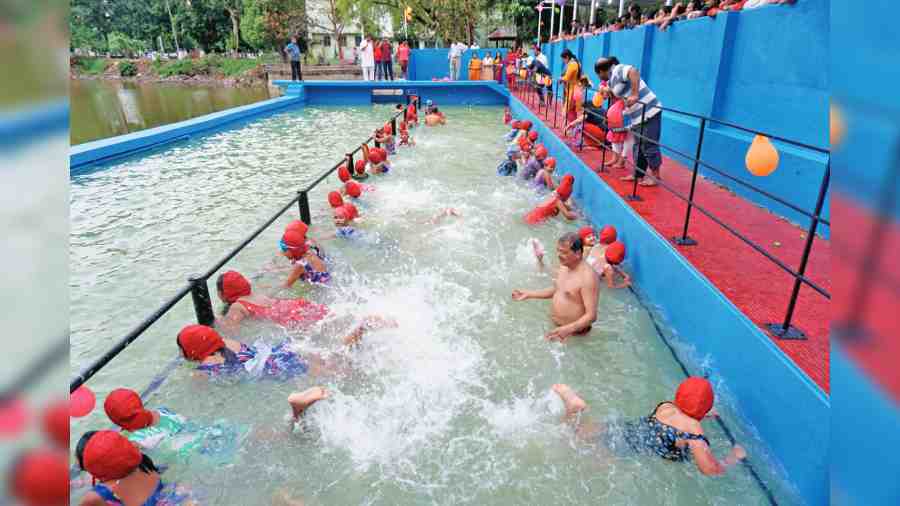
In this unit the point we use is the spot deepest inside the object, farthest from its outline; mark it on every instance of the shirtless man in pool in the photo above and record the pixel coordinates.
(574, 293)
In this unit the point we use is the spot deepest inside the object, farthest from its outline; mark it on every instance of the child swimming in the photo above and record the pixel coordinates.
(509, 166)
(308, 262)
(237, 293)
(555, 204)
(544, 177)
(359, 172)
(535, 163)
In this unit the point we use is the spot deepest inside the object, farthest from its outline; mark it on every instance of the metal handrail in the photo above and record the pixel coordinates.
(197, 285)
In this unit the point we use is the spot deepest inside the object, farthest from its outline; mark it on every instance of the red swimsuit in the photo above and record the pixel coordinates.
(288, 312)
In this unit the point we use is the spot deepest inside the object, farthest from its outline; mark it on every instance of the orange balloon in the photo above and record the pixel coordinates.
(762, 157)
(836, 125)
(523, 73)
(547, 81)
(597, 100)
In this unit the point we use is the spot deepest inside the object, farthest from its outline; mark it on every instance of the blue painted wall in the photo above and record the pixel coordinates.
(763, 69)
(787, 409)
(428, 64)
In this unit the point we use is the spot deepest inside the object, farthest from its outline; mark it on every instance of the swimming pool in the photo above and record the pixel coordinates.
(454, 406)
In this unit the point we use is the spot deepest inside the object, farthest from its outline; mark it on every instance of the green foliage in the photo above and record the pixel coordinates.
(127, 69)
(91, 66)
(209, 65)
(176, 68)
(232, 67)
(123, 45)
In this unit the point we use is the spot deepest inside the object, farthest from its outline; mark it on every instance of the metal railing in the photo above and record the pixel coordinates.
(197, 285)
(529, 90)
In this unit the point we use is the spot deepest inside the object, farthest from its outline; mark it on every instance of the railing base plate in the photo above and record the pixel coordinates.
(792, 332)
(633, 198)
(684, 241)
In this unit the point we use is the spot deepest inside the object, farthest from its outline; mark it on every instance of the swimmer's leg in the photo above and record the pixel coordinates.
(283, 498)
(585, 430)
(299, 401)
(369, 323)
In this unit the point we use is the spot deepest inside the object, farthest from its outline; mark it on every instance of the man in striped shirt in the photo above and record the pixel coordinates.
(641, 106)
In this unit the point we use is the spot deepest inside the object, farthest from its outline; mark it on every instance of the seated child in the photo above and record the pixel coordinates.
(509, 166)
(535, 163)
(615, 254)
(544, 177)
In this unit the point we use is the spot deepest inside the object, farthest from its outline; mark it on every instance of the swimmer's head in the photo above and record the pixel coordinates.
(550, 164)
(341, 216)
(360, 167)
(615, 253)
(344, 173)
(587, 235)
(294, 244)
(232, 286)
(608, 234)
(197, 342)
(540, 152)
(512, 152)
(297, 225)
(569, 249)
(526, 125)
(354, 212)
(387, 129)
(516, 124)
(375, 157)
(533, 135)
(334, 199)
(565, 187)
(107, 455)
(695, 397)
(353, 189)
(124, 408)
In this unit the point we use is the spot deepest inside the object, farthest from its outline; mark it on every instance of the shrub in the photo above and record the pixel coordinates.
(90, 65)
(127, 69)
(176, 68)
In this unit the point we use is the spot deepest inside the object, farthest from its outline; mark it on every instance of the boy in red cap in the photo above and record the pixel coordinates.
(672, 431)
(359, 170)
(535, 163)
(544, 177)
(615, 255)
(595, 255)
(307, 259)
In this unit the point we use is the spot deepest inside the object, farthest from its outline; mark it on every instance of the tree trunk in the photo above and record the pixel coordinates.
(174, 28)
(235, 29)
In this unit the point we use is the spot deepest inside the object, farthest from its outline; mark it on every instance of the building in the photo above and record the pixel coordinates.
(321, 44)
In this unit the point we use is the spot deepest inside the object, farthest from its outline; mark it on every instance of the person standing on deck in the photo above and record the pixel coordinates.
(570, 78)
(403, 59)
(454, 56)
(387, 61)
(367, 59)
(292, 50)
(575, 291)
(641, 105)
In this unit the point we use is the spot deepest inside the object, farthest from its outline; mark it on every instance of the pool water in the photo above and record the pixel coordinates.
(454, 406)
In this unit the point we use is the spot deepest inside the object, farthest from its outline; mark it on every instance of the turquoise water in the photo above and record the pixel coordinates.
(454, 406)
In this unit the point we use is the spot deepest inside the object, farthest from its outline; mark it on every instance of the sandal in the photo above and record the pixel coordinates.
(647, 182)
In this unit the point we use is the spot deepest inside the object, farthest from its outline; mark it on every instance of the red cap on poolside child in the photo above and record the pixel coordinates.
(695, 397)
(584, 232)
(334, 198)
(533, 135)
(353, 189)
(540, 152)
(344, 173)
(109, 456)
(199, 342)
(615, 253)
(550, 162)
(360, 166)
(297, 225)
(125, 409)
(608, 234)
(234, 286)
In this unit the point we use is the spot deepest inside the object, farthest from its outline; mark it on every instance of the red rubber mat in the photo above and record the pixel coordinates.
(758, 287)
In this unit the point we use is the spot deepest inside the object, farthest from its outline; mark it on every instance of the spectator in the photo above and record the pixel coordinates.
(487, 67)
(387, 59)
(753, 4)
(474, 67)
(695, 10)
(570, 78)
(379, 61)
(456, 51)
(367, 58)
(641, 104)
(403, 59)
(677, 11)
(498, 67)
(539, 65)
(293, 52)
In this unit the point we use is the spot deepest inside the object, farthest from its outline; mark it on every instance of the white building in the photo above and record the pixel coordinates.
(321, 42)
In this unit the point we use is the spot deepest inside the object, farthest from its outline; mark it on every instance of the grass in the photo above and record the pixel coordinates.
(208, 65)
(92, 66)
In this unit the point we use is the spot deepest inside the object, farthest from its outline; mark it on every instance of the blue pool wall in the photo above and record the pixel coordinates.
(428, 64)
(788, 410)
(764, 69)
(783, 405)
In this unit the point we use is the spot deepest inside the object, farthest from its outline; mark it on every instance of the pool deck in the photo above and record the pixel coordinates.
(758, 287)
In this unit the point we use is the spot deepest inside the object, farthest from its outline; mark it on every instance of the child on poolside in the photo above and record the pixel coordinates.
(619, 134)
(509, 166)
(544, 177)
(535, 163)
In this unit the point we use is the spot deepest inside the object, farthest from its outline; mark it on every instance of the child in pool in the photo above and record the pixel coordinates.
(405, 139)
(535, 163)
(450, 211)
(557, 203)
(509, 166)
(377, 158)
(595, 254)
(615, 254)
(343, 222)
(514, 132)
(241, 302)
(359, 171)
(170, 435)
(544, 177)
(385, 136)
(309, 264)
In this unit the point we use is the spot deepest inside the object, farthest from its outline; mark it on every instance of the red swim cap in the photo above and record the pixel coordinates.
(234, 286)
(525, 146)
(108, 456)
(388, 130)
(526, 125)
(584, 232)
(295, 243)
(533, 135)
(199, 341)
(55, 422)
(568, 179)
(353, 189)
(540, 152)
(608, 234)
(354, 212)
(41, 477)
(125, 409)
(695, 397)
(360, 166)
(297, 225)
(334, 198)
(516, 124)
(344, 173)
(375, 156)
(550, 162)
(615, 253)
(564, 191)
(342, 213)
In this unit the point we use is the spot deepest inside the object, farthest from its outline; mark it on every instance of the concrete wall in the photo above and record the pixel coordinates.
(785, 407)
(428, 64)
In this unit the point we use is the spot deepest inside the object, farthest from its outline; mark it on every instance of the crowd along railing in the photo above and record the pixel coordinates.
(198, 285)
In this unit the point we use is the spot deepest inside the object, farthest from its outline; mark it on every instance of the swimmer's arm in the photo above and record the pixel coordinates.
(315, 262)
(626, 279)
(546, 293)
(295, 274)
(232, 319)
(707, 462)
(365, 151)
(92, 499)
(564, 209)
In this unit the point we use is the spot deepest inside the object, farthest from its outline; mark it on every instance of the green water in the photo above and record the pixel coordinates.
(454, 406)
(101, 108)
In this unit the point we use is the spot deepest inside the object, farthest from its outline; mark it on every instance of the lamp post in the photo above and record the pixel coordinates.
(540, 9)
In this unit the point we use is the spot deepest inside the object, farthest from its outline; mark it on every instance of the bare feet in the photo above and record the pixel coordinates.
(574, 404)
(647, 182)
(369, 323)
(538, 249)
(629, 177)
(299, 401)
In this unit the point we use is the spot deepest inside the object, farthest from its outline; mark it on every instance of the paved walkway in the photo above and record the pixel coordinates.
(754, 284)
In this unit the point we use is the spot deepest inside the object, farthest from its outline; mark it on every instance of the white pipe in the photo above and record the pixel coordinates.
(552, 20)
(575, 12)
(668, 3)
(562, 14)
(540, 15)
(593, 8)
(621, 8)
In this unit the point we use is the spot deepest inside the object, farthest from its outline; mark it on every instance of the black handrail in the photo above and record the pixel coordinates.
(197, 285)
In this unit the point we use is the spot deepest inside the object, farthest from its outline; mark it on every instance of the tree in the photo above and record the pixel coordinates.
(269, 23)
(332, 16)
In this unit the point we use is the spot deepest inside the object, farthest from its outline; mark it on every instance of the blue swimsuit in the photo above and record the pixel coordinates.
(164, 495)
(282, 364)
(649, 435)
(507, 167)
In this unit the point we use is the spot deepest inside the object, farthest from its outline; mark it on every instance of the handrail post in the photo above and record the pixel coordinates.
(303, 204)
(603, 148)
(684, 240)
(785, 330)
(634, 196)
(202, 303)
(583, 119)
(350, 164)
(394, 125)
(555, 103)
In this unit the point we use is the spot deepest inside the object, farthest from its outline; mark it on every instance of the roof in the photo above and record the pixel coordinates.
(502, 34)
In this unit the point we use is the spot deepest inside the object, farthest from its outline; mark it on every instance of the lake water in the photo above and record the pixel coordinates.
(105, 108)
(454, 406)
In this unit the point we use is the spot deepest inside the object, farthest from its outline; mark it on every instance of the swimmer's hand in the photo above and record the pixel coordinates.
(519, 295)
(739, 452)
(712, 413)
(560, 333)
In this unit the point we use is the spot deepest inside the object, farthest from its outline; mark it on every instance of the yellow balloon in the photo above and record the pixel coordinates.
(523, 73)
(597, 100)
(762, 157)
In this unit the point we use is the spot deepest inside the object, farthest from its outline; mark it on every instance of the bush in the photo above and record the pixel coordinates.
(176, 68)
(232, 67)
(91, 66)
(127, 69)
